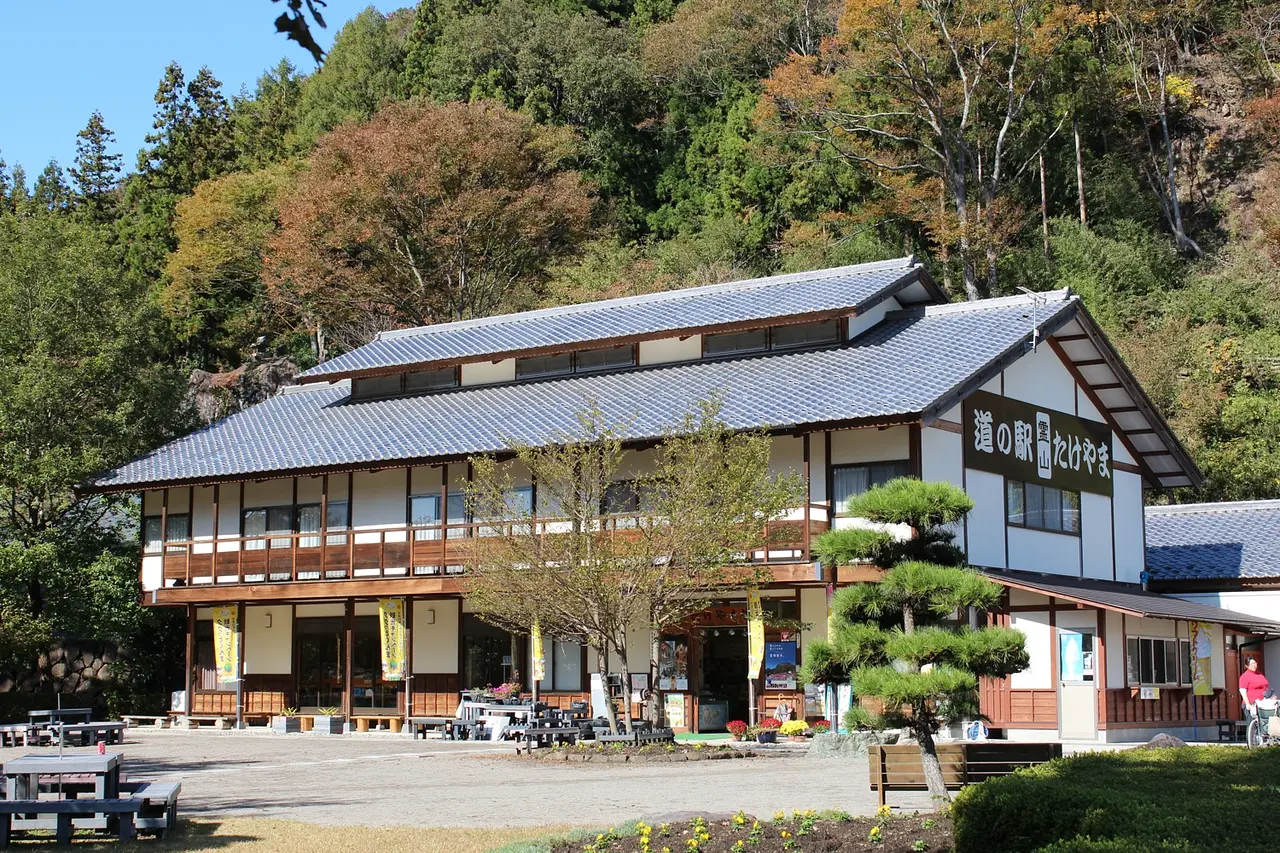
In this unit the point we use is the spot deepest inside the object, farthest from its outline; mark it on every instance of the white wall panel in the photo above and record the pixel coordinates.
(863, 322)
(485, 372)
(664, 350)
(1039, 551)
(435, 646)
(1130, 554)
(268, 493)
(1039, 675)
(941, 460)
(869, 445)
(987, 519)
(1095, 527)
(268, 651)
(1113, 649)
(1041, 378)
(380, 498)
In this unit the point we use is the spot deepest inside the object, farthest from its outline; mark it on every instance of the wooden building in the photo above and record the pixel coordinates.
(305, 509)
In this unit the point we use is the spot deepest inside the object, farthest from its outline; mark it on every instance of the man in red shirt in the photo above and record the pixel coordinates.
(1253, 684)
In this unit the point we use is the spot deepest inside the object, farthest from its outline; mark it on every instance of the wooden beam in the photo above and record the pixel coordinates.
(1069, 338)
(1107, 386)
(348, 626)
(307, 590)
(948, 426)
(187, 680)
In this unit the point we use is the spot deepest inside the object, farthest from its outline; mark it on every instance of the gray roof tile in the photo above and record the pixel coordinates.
(732, 302)
(1214, 541)
(901, 366)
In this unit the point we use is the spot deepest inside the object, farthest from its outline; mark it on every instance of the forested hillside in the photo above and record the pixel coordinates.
(459, 159)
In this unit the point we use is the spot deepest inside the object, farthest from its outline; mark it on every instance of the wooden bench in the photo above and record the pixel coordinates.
(898, 768)
(136, 720)
(1231, 730)
(150, 806)
(17, 734)
(393, 723)
(87, 733)
(547, 735)
(419, 726)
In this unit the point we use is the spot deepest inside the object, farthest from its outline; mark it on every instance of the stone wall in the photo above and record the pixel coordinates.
(68, 666)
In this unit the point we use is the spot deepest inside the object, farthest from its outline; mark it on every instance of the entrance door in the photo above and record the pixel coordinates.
(1077, 686)
(319, 645)
(723, 696)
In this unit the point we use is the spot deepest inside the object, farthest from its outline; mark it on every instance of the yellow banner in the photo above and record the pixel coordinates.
(1201, 659)
(392, 630)
(226, 641)
(755, 633)
(539, 660)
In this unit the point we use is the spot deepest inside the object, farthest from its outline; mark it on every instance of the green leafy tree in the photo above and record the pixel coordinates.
(51, 192)
(97, 170)
(897, 640)
(264, 121)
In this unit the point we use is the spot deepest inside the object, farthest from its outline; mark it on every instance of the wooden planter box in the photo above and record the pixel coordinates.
(329, 724)
(286, 725)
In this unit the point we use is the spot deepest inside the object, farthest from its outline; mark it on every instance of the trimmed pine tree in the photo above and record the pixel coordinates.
(907, 640)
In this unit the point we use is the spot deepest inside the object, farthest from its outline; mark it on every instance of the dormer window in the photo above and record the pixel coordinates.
(773, 337)
(375, 386)
(606, 358)
(414, 382)
(806, 334)
(544, 365)
(431, 380)
(583, 361)
(754, 340)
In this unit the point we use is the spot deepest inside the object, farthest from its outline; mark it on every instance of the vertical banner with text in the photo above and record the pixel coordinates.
(391, 627)
(1201, 659)
(755, 633)
(226, 642)
(539, 658)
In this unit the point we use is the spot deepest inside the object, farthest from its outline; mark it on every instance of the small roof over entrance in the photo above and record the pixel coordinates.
(1129, 599)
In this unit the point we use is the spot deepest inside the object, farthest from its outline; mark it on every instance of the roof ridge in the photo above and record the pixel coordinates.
(907, 262)
(1212, 507)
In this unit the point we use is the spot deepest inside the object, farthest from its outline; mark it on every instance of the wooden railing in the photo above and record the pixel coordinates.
(412, 551)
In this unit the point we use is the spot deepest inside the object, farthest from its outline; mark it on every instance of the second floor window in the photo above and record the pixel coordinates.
(179, 531)
(1039, 507)
(582, 361)
(273, 523)
(849, 481)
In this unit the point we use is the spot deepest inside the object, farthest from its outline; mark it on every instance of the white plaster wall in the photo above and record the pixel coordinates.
(152, 575)
(1039, 675)
(1119, 451)
(202, 517)
(268, 651)
(1077, 620)
(986, 521)
(1095, 527)
(381, 500)
(1141, 626)
(1023, 598)
(941, 460)
(869, 445)
(1039, 551)
(426, 480)
(1041, 378)
(639, 651)
(873, 315)
(151, 502)
(664, 350)
(1263, 603)
(365, 608)
(1085, 406)
(308, 610)
(268, 493)
(818, 467)
(229, 515)
(1130, 551)
(310, 489)
(813, 610)
(485, 372)
(1114, 649)
(435, 646)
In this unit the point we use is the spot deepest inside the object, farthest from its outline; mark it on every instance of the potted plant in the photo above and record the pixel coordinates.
(508, 693)
(794, 729)
(328, 721)
(737, 728)
(287, 721)
(821, 727)
(768, 730)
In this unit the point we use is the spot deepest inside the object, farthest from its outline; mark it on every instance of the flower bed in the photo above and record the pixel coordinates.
(830, 832)
(626, 753)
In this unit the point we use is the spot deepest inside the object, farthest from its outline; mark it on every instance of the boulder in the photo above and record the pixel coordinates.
(1164, 741)
(58, 670)
(849, 746)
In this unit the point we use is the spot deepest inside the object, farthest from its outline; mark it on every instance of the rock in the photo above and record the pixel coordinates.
(1164, 741)
(848, 746)
(58, 670)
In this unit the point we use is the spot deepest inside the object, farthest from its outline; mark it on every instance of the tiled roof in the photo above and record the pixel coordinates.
(1129, 598)
(1214, 541)
(910, 361)
(732, 302)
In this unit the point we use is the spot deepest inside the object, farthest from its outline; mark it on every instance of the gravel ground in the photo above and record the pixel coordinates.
(392, 780)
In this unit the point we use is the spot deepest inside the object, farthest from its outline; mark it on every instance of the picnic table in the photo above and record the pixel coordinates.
(60, 715)
(28, 775)
(87, 733)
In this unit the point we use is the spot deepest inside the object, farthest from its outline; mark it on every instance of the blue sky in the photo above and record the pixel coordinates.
(110, 56)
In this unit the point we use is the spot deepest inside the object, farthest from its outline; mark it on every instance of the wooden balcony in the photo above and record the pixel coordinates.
(427, 559)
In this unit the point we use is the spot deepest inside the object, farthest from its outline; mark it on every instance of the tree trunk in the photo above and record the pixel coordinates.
(1044, 205)
(626, 685)
(602, 667)
(933, 778)
(1075, 130)
(654, 712)
(1185, 243)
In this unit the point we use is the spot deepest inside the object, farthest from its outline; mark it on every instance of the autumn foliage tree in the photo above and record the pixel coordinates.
(425, 214)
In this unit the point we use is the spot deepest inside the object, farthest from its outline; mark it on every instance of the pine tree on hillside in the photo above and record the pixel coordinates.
(51, 191)
(96, 171)
(906, 640)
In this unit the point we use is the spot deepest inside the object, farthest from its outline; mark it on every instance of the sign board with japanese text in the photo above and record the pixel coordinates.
(1035, 444)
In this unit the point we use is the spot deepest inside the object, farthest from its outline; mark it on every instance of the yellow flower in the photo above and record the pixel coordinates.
(884, 812)
(875, 834)
(786, 834)
(780, 815)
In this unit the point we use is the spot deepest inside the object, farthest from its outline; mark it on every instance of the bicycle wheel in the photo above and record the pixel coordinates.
(1253, 734)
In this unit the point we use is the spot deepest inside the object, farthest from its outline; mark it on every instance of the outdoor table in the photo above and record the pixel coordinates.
(60, 715)
(497, 718)
(111, 732)
(23, 777)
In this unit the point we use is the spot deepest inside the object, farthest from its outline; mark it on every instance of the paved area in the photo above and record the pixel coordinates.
(392, 780)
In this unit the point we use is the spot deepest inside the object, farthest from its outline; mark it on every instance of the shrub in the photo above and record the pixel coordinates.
(792, 728)
(1189, 799)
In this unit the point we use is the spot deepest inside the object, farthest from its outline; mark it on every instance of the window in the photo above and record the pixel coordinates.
(257, 524)
(1039, 507)
(604, 359)
(620, 497)
(1185, 657)
(544, 365)
(849, 481)
(753, 340)
(179, 531)
(563, 666)
(376, 386)
(205, 674)
(1075, 655)
(806, 334)
(1156, 661)
(431, 380)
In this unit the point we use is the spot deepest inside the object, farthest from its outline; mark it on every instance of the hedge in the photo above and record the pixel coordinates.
(1186, 799)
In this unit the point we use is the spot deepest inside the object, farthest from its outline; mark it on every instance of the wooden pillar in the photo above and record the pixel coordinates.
(191, 529)
(915, 463)
(444, 517)
(1053, 646)
(164, 535)
(213, 558)
(187, 681)
(408, 659)
(1100, 666)
(324, 523)
(242, 543)
(349, 618)
(294, 538)
(351, 536)
(240, 709)
(808, 497)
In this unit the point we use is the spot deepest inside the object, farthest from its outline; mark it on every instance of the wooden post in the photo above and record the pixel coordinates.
(1100, 666)
(408, 659)
(349, 630)
(187, 681)
(444, 516)
(808, 497)
(164, 535)
(213, 569)
(351, 536)
(240, 664)
(294, 540)
(191, 529)
(324, 524)
(242, 543)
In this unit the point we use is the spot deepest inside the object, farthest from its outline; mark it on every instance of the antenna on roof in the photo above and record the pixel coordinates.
(1037, 299)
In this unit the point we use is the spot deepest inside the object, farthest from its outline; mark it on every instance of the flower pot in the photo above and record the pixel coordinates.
(768, 736)
(286, 725)
(797, 738)
(329, 724)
